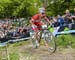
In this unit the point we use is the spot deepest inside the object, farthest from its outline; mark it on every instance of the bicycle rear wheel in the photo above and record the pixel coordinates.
(50, 41)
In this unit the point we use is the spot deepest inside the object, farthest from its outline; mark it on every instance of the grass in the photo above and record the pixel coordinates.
(13, 50)
(14, 56)
(66, 40)
(21, 43)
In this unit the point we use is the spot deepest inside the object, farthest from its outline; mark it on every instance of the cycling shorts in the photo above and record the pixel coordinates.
(37, 26)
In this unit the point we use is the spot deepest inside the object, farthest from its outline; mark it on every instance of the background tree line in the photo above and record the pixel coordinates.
(25, 8)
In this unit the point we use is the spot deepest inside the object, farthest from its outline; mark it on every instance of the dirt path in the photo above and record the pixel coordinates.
(28, 53)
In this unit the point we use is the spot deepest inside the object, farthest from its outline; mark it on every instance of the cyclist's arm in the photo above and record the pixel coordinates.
(31, 22)
(47, 20)
(73, 16)
(35, 17)
(69, 17)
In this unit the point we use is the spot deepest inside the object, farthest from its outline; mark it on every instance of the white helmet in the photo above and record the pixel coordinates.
(42, 10)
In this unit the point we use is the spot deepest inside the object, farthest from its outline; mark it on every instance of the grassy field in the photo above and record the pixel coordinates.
(66, 40)
(23, 50)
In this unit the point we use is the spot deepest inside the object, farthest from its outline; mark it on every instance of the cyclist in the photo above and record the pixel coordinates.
(36, 22)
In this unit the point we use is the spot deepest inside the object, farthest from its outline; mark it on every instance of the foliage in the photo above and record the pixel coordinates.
(19, 8)
(55, 7)
(25, 8)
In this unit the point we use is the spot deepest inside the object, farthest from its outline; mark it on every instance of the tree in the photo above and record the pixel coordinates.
(22, 8)
(59, 6)
(25, 8)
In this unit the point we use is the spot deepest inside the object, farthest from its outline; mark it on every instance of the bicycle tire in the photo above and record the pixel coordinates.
(50, 41)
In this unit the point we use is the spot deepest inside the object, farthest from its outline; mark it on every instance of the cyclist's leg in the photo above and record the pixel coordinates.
(38, 32)
(37, 29)
(36, 36)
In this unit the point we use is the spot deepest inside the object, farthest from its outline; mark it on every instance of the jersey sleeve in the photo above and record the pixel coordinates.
(35, 17)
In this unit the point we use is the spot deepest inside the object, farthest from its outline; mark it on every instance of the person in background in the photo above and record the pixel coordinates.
(60, 20)
(68, 17)
(55, 23)
(73, 16)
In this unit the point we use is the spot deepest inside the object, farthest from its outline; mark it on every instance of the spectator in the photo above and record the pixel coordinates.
(68, 17)
(55, 23)
(60, 20)
(73, 16)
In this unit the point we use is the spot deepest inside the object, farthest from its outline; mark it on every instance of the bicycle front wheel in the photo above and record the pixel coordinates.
(50, 41)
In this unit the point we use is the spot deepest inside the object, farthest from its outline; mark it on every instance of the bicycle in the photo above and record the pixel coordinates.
(47, 36)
